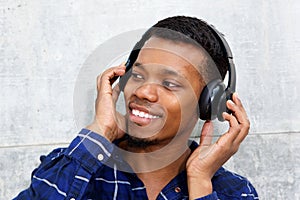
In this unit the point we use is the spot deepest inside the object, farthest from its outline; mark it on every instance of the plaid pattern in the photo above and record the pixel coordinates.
(77, 173)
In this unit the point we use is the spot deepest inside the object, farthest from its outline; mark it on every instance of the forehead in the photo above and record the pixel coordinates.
(184, 58)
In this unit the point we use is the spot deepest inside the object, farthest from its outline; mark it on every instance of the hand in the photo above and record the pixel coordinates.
(209, 157)
(105, 122)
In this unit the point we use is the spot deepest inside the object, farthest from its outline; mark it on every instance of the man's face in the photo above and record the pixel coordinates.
(163, 91)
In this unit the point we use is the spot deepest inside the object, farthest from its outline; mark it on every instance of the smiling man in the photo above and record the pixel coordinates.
(147, 154)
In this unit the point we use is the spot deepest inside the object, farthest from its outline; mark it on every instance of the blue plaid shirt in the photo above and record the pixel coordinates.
(81, 172)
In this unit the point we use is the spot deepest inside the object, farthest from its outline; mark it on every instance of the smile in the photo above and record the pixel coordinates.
(143, 114)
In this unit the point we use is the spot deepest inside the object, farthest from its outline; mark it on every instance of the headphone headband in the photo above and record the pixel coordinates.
(231, 68)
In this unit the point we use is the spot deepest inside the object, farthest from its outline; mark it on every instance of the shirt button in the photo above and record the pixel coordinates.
(177, 189)
(72, 199)
(100, 157)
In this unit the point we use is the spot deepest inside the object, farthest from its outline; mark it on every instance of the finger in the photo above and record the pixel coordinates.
(120, 71)
(242, 135)
(238, 111)
(241, 116)
(107, 78)
(98, 82)
(232, 139)
(116, 72)
(236, 99)
(206, 134)
(234, 127)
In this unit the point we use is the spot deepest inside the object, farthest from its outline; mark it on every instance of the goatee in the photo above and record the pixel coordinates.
(140, 142)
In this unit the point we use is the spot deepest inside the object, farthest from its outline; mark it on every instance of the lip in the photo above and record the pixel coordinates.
(135, 106)
(141, 120)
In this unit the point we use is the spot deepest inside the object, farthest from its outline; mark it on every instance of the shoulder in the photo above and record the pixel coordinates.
(232, 186)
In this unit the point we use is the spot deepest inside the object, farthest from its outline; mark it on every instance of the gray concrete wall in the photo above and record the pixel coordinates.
(45, 43)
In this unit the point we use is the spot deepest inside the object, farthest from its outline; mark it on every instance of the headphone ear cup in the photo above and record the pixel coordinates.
(210, 99)
(222, 106)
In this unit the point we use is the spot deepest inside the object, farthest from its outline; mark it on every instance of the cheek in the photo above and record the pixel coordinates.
(183, 107)
(185, 102)
(128, 91)
(189, 99)
(127, 88)
(173, 106)
(182, 114)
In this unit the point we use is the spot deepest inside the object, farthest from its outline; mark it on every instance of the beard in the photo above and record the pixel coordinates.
(137, 142)
(141, 143)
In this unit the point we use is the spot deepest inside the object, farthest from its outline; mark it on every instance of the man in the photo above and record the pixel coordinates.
(146, 154)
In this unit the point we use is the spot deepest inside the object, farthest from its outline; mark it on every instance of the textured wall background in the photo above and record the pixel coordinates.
(45, 43)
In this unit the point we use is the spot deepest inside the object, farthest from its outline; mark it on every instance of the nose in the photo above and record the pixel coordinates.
(147, 92)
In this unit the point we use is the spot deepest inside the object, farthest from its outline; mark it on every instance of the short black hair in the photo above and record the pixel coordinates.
(194, 31)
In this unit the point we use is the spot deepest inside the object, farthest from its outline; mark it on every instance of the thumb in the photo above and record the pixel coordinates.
(206, 133)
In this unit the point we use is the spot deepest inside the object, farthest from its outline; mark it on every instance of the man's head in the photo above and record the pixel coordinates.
(169, 67)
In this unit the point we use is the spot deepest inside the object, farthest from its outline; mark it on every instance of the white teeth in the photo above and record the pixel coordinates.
(143, 114)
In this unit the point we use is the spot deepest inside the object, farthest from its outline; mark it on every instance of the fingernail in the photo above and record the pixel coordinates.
(120, 70)
(230, 102)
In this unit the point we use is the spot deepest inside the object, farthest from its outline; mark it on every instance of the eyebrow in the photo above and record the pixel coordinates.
(163, 71)
(171, 73)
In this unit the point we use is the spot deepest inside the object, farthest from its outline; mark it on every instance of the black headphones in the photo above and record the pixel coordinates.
(212, 102)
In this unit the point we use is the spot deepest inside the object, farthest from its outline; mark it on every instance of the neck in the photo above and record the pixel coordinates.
(155, 157)
(157, 164)
(156, 180)
(170, 170)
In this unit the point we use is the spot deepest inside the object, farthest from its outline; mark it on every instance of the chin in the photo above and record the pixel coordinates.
(137, 142)
(144, 132)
